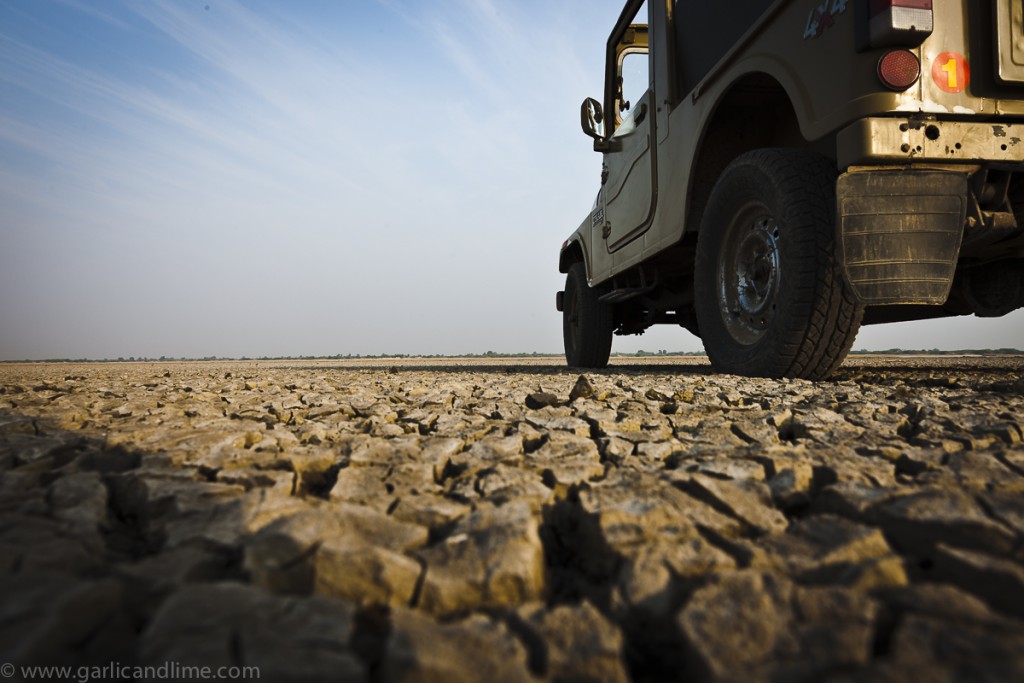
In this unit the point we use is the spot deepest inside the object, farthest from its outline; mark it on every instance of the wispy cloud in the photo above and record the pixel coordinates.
(265, 147)
(92, 9)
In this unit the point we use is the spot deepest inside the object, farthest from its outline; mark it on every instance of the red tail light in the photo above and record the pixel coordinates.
(899, 69)
(899, 22)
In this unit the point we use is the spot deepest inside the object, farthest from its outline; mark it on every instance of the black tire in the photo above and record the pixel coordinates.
(587, 323)
(770, 298)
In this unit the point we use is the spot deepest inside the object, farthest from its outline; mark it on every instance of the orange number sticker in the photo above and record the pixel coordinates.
(951, 72)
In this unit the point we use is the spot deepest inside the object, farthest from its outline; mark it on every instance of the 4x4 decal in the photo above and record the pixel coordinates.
(823, 17)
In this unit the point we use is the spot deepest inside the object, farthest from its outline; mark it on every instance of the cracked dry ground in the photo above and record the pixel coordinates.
(349, 521)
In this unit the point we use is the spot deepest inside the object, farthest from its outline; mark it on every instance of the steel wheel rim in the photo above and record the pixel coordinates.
(749, 274)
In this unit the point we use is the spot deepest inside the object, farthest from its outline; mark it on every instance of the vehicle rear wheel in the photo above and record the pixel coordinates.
(587, 322)
(770, 298)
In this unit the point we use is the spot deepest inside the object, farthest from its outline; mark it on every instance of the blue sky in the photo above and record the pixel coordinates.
(213, 177)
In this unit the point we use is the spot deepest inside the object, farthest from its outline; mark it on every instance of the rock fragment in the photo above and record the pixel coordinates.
(232, 625)
(582, 389)
(630, 509)
(746, 500)
(541, 399)
(739, 623)
(579, 643)
(342, 551)
(831, 550)
(45, 618)
(473, 649)
(754, 623)
(1000, 582)
(924, 518)
(493, 558)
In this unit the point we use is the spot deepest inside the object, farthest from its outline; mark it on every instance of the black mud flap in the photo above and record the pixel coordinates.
(900, 232)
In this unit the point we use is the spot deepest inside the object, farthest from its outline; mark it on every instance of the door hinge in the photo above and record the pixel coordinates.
(606, 230)
(604, 173)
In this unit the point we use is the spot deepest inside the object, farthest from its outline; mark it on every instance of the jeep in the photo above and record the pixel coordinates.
(778, 173)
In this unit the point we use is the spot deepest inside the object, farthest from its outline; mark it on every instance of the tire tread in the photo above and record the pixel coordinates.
(814, 341)
(596, 323)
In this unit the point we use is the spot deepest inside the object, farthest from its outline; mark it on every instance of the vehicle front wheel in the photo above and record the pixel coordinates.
(587, 322)
(770, 298)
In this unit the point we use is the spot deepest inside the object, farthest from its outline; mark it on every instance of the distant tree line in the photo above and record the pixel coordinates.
(940, 352)
(338, 356)
(493, 354)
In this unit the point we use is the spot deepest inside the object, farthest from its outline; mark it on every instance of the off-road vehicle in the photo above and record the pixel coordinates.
(777, 173)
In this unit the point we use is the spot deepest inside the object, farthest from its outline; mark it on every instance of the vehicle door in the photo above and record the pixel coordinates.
(629, 159)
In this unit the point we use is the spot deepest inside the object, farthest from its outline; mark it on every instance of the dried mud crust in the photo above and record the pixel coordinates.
(415, 520)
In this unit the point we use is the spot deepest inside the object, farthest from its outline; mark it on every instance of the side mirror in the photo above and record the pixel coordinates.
(592, 121)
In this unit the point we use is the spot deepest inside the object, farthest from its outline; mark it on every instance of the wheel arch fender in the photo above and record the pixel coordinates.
(572, 251)
(755, 110)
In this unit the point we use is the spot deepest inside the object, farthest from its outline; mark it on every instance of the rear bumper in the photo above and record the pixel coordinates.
(901, 140)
